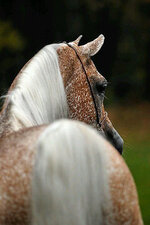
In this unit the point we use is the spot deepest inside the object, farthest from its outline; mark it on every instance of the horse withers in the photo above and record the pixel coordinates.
(79, 178)
(64, 173)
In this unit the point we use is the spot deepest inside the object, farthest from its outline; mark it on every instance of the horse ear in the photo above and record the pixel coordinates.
(93, 47)
(76, 42)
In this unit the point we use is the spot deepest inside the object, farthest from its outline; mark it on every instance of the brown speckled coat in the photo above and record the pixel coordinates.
(17, 149)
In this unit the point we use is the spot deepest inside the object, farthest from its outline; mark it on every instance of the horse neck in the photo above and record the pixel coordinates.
(38, 95)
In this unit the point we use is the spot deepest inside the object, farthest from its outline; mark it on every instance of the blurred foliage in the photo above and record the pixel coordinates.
(10, 38)
(124, 60)
(11, 49)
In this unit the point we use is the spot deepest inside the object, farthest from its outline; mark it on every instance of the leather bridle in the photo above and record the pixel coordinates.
(99, 123)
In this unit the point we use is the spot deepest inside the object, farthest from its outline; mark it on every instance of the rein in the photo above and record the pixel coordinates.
(99, 123)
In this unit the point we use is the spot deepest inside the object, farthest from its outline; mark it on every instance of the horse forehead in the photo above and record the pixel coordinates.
(67, 55)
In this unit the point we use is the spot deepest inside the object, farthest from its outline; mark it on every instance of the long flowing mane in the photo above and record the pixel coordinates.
(69, 180)
(79, 178)
(38, 96)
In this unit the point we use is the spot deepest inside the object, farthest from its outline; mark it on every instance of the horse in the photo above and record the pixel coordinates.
(79, 178)
(60, 81)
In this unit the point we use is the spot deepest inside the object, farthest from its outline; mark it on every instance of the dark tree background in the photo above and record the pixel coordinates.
(26, 26)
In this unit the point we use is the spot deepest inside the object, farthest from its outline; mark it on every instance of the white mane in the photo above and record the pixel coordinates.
(69, 181)
(39, 95)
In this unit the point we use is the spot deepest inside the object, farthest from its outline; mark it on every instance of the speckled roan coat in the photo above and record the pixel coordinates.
(17, 146)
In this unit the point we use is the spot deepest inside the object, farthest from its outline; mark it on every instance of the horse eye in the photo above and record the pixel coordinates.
(100, 87)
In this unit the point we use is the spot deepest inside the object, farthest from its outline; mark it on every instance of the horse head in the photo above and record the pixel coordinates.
(85, 87)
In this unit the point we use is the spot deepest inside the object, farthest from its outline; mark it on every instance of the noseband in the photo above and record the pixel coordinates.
(99, 123)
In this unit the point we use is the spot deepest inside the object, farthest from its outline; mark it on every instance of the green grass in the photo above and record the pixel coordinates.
(138, 160)
(133, 123)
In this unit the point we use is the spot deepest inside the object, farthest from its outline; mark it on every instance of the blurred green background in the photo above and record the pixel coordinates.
(27, 26)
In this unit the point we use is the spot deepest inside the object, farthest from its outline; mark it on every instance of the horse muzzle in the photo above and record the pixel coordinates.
(115, 139)
(113, 136)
